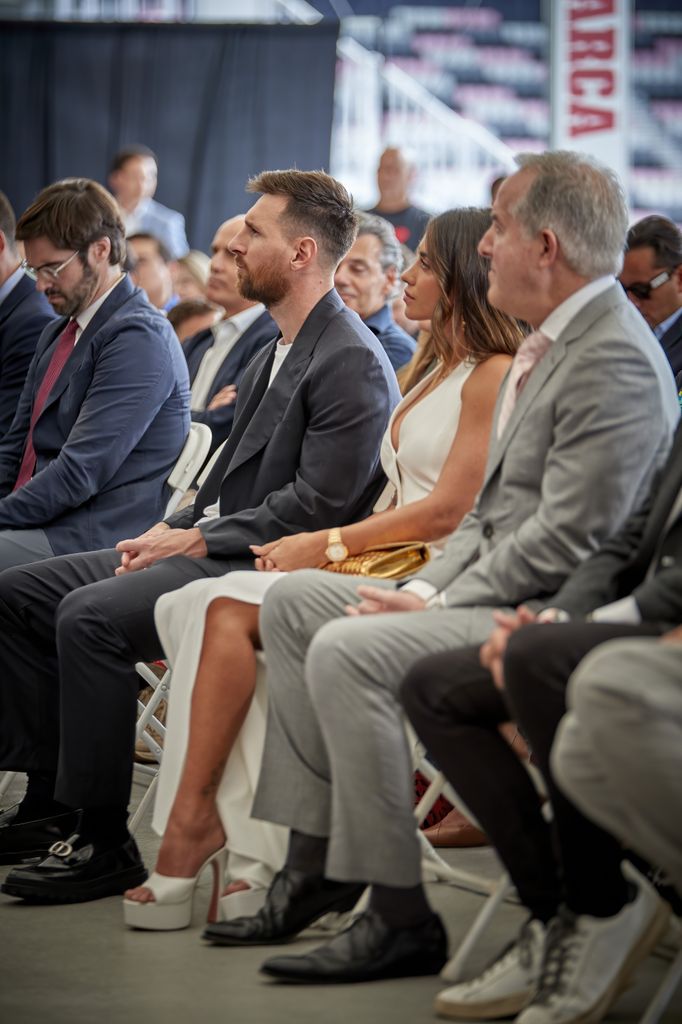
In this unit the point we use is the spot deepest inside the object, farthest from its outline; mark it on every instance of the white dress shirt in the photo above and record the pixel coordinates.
(226, 334)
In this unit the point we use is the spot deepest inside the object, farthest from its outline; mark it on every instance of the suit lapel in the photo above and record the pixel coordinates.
(21, 290)
(277, 397)
(120, 295)
(541, 373)
(537, 380)
(197, 351)
(665, 509)
(247, 403)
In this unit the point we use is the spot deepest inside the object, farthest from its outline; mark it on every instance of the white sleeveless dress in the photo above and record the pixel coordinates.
(256, 848)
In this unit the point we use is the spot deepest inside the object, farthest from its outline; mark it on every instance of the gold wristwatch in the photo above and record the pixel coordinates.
(336, 550)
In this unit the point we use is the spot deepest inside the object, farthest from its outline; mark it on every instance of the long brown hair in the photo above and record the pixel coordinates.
(464, 325)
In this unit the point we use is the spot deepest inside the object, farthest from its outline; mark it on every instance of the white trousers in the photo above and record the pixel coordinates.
(256, 849)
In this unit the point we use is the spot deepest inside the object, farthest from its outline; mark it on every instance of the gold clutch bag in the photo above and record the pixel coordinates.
(388, 562)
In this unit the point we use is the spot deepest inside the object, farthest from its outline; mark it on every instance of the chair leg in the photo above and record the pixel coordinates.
(666, 990)
(142, 806)
(454, 968)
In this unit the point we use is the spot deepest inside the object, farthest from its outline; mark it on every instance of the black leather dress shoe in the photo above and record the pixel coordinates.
(367, 951)
(294, 901)
(77, 870)
(30, 840)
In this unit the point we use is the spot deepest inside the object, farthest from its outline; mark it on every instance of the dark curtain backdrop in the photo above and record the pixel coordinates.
(216, 103)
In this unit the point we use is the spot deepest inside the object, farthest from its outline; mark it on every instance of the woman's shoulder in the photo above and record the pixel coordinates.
(487, 374)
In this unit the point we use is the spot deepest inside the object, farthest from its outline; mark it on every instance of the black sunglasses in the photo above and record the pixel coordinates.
(642, 290)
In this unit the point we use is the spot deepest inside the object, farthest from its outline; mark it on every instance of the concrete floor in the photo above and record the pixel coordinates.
(80, 965)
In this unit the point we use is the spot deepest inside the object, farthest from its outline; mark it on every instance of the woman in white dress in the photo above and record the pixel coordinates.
(433, 454)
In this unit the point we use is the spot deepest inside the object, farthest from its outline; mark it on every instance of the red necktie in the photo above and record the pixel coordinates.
(62, 351)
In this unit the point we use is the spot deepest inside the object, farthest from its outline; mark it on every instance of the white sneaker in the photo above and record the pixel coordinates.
(588, 960)
(504, 987)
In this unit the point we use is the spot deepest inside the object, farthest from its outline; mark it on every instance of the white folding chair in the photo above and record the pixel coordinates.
(666, 990)
(186, 472)
(189, 462)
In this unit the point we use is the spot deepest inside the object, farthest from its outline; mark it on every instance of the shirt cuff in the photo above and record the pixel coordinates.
(426, 591)
(625, 611)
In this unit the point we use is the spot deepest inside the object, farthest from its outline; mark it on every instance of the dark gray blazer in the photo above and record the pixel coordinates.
(652, 538)
(304, 453)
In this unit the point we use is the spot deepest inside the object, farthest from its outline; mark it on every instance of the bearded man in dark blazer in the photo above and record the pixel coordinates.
(303, 454)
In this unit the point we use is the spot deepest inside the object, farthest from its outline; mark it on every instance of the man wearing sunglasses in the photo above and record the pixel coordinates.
(104, 411)
(652, 278)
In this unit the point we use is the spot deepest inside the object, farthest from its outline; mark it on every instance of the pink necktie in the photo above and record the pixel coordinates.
(530, 352)
(62, 351)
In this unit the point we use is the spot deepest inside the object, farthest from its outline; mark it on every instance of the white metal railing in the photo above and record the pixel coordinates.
(297, 11)
(378, 105)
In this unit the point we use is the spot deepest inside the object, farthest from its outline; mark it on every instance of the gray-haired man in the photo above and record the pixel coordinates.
(570, 457)
(366, 280)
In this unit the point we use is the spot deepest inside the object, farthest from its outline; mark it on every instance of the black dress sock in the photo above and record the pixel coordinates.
(38, 800)
(106, 824)
(399, 907)
(307, 853)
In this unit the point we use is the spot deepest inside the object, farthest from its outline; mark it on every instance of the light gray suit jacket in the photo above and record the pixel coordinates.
(578, 455)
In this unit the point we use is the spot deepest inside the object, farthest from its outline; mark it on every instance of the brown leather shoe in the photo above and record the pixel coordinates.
(455, 831)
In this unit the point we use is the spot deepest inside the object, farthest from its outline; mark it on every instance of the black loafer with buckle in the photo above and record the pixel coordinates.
(77, 870)
(30, 840)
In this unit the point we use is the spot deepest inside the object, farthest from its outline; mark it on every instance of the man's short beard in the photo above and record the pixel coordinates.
(269, 287)
(82, 293)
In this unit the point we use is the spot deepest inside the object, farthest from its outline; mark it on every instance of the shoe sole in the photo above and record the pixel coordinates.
(112, 885)
(492, 1010)
(398, 970)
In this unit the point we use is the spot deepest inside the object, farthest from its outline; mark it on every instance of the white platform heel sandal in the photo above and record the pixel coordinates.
(171, 908)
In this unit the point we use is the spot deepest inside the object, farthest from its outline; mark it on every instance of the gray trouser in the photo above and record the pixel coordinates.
(19, 547)
(618, 752)
(336, 760)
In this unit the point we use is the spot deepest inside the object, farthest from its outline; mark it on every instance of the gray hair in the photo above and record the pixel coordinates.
(391, 254)
(583, 203)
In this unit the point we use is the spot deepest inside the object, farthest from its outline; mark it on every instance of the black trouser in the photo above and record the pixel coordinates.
(455, 709)
(70, 634)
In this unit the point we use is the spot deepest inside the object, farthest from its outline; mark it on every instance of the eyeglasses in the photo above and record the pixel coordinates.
(47, 271)
(642, 290)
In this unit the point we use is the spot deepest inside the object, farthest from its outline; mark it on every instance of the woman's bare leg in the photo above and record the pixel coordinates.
(224, 686)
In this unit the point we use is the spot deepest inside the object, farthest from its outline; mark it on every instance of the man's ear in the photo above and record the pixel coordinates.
(677, 278)
(101, 249)
(391, 279)
(549, 247)
(306, 251)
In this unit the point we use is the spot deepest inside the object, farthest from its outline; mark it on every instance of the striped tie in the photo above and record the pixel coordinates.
(62, 351)
(530, 352)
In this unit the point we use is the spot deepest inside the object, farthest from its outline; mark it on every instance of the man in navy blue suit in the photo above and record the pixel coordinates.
(218, 356)
(366, 280)
(104, 412)
(23, 314)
